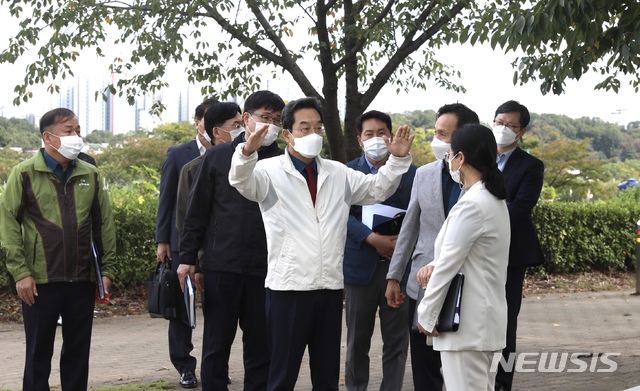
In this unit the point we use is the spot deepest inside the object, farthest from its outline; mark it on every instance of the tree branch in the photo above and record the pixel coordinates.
(408, 47)
(353, 51)
(288, 62)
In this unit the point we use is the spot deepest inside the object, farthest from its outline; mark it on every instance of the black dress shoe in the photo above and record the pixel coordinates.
(228, 379)
(188, 380)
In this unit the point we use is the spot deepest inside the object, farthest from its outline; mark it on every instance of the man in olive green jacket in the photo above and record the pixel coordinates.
(54, 215)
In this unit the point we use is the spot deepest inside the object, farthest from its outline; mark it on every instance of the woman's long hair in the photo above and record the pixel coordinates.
(480, 151)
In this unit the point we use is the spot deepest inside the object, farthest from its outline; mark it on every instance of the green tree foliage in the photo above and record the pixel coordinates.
(129, 161)
(326, 46)
(607, 138)
(16, 132)
(177, 132)
(571, 168)
(564, 39)
(8, 159)
(103, 137)
(630, 148)
(425, 119)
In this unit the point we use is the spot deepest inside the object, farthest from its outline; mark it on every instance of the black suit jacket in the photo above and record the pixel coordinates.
(222, 221)
(177, 157)
(523, 175)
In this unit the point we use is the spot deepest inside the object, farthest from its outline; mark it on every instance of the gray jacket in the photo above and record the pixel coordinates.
(424, 218)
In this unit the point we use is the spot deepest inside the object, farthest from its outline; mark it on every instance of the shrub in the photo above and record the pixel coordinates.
(587, 236)
(134, 213)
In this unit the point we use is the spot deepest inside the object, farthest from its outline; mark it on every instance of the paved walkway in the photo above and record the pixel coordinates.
(134, 349)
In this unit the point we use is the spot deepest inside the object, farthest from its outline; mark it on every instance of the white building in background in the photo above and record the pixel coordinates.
(113, 114)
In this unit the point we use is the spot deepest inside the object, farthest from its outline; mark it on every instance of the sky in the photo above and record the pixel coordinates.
(486, 74)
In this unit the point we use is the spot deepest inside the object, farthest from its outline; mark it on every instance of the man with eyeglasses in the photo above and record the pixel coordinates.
(230, 230)
(180, 345)
(523, 175)
(305, 202)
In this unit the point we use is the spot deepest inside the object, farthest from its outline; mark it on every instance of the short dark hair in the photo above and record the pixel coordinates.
(53, 117)
(218, 113)
(479, 147)
(204, 106)
(512, 106)
(304, 103)
(464, 114)
(263, 98)
(373, 114)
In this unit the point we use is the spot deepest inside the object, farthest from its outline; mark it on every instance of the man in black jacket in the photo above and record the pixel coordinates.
(180, 333)
(230, 229)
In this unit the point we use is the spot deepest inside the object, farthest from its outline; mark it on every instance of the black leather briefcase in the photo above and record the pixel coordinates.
(162, 291)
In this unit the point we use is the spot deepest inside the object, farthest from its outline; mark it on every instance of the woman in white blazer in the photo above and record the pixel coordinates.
(474, 240)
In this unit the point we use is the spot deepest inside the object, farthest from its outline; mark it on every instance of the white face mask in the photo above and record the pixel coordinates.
(308, 146)
(375, 148)
(205, 136)
(234, 133)
(455, 175)
(272, 133)
(70, 146)
(504, 136)
(440, 148)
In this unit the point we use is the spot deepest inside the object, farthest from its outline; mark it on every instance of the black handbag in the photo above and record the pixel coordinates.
(161, 291)
(449, 318)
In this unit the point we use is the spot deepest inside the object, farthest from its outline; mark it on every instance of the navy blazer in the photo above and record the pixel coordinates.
(361, 258)
(523, 176)
(177, 157)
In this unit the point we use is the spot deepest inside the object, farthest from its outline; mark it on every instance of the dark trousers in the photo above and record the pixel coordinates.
(75, 302)
(180, 345)
(362, 302)
(515, 280)
(425, 361)
(231, 298)
(295, 320)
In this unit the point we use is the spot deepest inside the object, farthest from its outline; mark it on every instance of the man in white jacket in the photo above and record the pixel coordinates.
(305, 201)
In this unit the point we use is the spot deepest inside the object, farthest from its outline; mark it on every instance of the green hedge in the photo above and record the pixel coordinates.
(587, 236)
(575, 237)
(134, 213)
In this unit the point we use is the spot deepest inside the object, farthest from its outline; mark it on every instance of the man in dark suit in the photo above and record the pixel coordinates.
(180, 345)
(230, 229)
(366, 262)
(523, 175)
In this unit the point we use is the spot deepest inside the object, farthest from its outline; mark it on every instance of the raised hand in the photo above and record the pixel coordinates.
(401, 144)
(254, 140)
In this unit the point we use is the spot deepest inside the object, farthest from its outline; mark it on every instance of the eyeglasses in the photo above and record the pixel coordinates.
(306, 130)
(450, 158)
(268, 119)
(513, 127)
